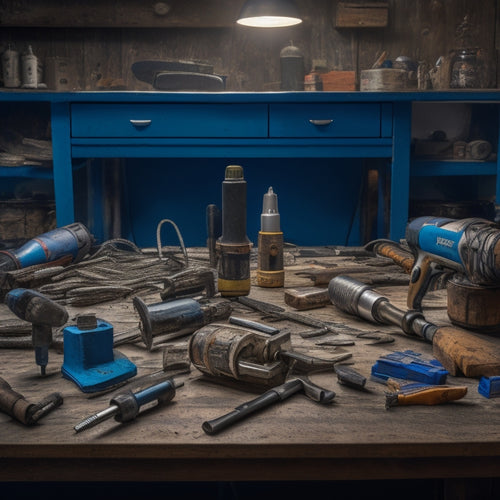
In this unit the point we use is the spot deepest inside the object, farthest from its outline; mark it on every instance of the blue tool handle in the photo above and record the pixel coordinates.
(127, 405)
(163, 392)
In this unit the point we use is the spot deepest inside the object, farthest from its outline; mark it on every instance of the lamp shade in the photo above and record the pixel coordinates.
(269, 13)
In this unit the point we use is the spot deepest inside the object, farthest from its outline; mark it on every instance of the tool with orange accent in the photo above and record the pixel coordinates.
(424, 394)
(398, 253)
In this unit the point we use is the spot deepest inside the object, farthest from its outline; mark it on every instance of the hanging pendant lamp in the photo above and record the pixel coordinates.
(269, 14)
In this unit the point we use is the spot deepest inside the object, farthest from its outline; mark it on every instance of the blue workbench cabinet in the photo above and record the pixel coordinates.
(163, 156)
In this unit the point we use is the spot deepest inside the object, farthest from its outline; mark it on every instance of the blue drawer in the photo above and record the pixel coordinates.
(169, 120)
(325, 120)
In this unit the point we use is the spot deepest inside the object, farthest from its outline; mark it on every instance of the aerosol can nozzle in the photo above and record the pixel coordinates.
(270, 217)
(270, 272)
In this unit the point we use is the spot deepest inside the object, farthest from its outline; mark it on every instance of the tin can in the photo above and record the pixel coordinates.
(29, 66)
(292, 68)
(10, 68)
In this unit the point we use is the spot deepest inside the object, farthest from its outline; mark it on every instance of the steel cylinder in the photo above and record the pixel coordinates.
(233, 246)
(292, 68)
(216, 348)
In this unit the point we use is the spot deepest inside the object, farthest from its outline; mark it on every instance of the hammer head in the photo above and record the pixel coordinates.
(34, 307)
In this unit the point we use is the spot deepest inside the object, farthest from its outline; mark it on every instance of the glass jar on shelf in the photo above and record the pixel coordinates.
(465, 70)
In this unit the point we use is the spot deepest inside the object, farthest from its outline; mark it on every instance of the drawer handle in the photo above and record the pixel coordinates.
(321, 122)
(140, 123)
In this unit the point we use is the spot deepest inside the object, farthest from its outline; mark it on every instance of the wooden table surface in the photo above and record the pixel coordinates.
(355, 437)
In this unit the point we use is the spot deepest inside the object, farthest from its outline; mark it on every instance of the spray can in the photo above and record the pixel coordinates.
(292, 68)
(10, 68)
(270, 270)
(29, 66)
(233, 246)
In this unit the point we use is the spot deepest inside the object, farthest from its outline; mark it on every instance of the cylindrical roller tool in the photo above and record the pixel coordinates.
(458, 350)
(233, 246)
(43, 313)
(163, 321)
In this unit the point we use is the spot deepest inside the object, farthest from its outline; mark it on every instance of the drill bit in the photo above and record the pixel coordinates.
(125, 406)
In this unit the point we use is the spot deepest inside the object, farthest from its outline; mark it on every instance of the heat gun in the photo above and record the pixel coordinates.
(467, 247)
(71, 242)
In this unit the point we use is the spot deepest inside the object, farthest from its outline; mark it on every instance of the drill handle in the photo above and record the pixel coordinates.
(424, 273)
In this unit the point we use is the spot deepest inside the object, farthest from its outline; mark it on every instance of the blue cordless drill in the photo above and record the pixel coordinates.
(468, 247)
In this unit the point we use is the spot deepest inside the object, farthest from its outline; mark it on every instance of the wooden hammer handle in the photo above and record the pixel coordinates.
(472, 354)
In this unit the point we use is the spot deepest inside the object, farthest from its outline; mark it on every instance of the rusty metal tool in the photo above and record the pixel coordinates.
(458, 350)
(188, 283)
(164, 321)
(214, 231)
(279, 313)
(223, 351)
(14, 404)
(261, 327)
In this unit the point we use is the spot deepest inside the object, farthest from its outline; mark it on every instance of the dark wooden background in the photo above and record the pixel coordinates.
(104, 38)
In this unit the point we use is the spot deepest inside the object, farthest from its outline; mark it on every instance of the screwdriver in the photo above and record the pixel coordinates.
(125, 406)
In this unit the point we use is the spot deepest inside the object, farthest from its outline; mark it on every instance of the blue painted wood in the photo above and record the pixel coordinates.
(62, 163)
(205, 148)
(400, 170)
(169, 120)
(391, 141)
(430, 168)
(27, 171)
(324, 120)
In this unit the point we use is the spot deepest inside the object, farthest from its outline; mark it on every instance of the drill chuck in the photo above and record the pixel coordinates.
(356, 298)
(359, 299)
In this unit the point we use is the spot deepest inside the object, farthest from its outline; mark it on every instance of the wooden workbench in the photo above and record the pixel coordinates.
(355, 437)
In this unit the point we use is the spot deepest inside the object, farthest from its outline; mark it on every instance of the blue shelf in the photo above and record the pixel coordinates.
(27, 171)
(434, 168)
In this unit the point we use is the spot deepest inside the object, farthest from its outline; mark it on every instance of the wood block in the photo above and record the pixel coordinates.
(362, 14)
(25, 219)
(339, 80)
(383, 79)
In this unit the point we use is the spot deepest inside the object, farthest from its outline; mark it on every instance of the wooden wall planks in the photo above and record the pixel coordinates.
(103, 39)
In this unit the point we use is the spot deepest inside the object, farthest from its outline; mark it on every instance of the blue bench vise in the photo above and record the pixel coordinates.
(89, 359)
